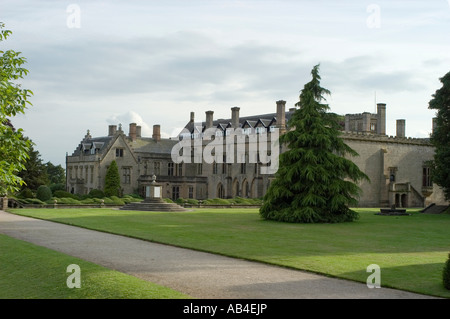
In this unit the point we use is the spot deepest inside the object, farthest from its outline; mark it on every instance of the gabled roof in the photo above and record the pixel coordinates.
(246, 121)
(87, 144)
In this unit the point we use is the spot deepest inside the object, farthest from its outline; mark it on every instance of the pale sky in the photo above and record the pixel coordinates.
(96, 63)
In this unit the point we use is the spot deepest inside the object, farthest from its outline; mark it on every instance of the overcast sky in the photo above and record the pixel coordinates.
(96, 63)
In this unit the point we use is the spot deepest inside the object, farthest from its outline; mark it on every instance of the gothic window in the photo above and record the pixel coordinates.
(220, 191)
(127, 175)
(392, 174)
(426, 177)
(119, 152)
(170, 169)
(175, 192)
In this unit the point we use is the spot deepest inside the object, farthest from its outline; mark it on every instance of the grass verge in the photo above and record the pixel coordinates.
(28, 271)
(410, 250)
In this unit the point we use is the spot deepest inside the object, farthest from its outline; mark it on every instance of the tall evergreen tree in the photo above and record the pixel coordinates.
(441, 135)
(35, 172)
(112, 180)
(56, 173)
(315, 182)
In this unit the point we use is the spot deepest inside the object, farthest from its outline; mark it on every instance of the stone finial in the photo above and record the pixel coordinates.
(88, 135)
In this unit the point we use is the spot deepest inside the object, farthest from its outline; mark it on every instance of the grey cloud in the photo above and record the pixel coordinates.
(364, 73)
(181, 64)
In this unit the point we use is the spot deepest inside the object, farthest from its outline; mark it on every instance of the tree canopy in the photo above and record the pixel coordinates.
(13, 100)
(314, 182)
(441, 135)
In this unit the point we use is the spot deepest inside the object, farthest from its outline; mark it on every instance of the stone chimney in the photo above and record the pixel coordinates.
(209, 119)
(138, 131)
(434, 124)
(192, 116)
(381, 121)
(156, 132)
(281, 115)
(235, 117)
(401, 125)
(112, 129)
(132, 132)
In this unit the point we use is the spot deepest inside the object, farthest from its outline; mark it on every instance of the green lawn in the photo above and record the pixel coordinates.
(28, 271)
(410, 250)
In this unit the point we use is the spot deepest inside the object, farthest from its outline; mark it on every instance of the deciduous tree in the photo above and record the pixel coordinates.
(13, 100)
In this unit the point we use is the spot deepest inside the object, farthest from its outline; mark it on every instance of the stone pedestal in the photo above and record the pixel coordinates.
(4, 203)
(153, 200)
(153, 192)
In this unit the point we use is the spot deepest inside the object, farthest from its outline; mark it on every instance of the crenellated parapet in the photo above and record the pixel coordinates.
(377, 138)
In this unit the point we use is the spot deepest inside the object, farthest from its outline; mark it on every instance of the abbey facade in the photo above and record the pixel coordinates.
(396, 165)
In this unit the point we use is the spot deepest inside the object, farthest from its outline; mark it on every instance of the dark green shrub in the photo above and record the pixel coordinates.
(32, 201)
(57, 187)
(63, 194)
(180, 201)
(96, 193)
(192, 201)
(43, 193)
(117, 201)
(26, 193)
(446, 273)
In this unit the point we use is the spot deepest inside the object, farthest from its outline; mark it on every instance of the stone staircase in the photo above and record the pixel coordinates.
(155, 205)
(434, 209)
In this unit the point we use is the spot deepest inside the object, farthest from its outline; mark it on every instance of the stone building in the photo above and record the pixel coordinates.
(138, 159)
(396, 165)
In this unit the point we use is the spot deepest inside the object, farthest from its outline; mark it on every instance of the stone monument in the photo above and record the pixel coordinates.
(153, 200)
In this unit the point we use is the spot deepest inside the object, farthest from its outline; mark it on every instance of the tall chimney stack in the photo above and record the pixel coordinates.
(132, 132)
(401, 125)
(381, 122)
(209, 119)
(156, 132)
(434, 124)
(235, 117)
(192, 116)
(112, 129)
(138, 131)
(281, 115)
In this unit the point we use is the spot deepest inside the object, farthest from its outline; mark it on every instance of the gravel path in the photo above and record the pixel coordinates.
(201, 275)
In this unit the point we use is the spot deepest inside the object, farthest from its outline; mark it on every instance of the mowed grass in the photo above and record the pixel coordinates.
(410, 250)
(28, 271)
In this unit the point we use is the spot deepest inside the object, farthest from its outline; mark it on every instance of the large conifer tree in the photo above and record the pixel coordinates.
(441, 135)
(315, 182)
